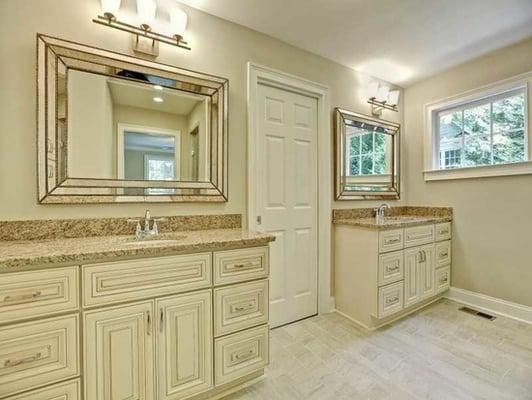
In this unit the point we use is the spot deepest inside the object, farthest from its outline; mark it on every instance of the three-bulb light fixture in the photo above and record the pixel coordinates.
(146, 11)
(381, 97)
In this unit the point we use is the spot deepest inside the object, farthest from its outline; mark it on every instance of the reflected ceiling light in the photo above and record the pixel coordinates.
(146, 39)
(158, 99)
(381, 97)
(157, 87)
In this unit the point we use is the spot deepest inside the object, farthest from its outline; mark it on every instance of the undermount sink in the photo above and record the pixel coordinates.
(161, 239)
(401, 218)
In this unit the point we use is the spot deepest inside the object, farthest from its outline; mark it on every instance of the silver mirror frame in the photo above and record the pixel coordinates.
(392, 128)
(54, 184)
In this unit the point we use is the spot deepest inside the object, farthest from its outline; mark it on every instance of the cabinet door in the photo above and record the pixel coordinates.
(184, 345)
(118, 347)
(412, 290)
(427, 267)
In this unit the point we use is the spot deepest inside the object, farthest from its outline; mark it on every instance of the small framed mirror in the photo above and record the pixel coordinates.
(113, 128)
(366, 158)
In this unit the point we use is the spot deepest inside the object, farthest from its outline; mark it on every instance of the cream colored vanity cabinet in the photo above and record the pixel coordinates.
(383, 274)
(162, 328)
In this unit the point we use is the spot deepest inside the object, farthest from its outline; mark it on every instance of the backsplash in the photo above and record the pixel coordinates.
(75, 228)
(393, 211)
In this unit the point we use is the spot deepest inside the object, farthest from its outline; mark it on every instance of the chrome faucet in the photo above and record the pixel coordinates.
(380, 213)
(150, 226)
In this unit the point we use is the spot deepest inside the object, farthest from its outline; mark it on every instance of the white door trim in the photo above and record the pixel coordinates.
(259, 74)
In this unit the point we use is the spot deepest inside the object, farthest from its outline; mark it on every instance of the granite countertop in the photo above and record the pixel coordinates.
(395, 222)
(29, 254)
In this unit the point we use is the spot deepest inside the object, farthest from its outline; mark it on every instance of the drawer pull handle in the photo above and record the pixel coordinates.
(443, 280)
(21, 297)
(392, 300)
(161, 320)
(444, 254)
(243, 355)
(148, 323)
(14, 363)
(392, 241)
(244, 265)
(420, 236)
(390, 270)
(244, 307)
(443, 231)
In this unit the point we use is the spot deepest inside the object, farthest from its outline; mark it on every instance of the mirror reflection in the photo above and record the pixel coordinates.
(366, 157)
(134, 127)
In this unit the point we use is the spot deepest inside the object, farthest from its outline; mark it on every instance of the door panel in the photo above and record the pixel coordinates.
(286, 198)
(427, 271)
(118, 346)
(412, 289)
(184, 345)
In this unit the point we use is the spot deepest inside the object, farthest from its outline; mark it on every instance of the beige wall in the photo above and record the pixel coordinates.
(493, 216)
(219, 47)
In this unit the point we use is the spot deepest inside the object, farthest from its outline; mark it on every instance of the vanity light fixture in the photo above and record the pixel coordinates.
(381, 97)
(145, 39)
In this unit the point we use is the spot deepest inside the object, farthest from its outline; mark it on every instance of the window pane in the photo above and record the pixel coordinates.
(477, 150)
(380, 163)
(354, 147)
(367, 143)
(380, 142)
(354, 166)
(509, 113)
(367, 164)
(509, 147)
(450, 131)
(477, 120)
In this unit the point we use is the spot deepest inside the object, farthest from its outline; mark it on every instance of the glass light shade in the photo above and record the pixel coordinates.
(382, 94)
(146, 10)
(393, 97)
(178, 20)
(373, 89)
(110, 6)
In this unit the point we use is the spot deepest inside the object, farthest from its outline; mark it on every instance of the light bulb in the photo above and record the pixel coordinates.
(382, 94)
(110, 8)
(178, 20)
(373, 89)
(393, 97)
(146, 10)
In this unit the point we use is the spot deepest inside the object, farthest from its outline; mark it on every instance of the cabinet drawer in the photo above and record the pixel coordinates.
(239, 307)
(38, 353)
(63, 391)
(391, 240)
(419, 235)
(240, 354)
(37, 293)
(137, 279)
(443, 231)
(391, 267)
(443, 253)
(390, 299)
(442, 278)
(240, 265)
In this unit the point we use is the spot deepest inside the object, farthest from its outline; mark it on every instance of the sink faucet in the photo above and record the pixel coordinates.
(380, 213)
(150, 226)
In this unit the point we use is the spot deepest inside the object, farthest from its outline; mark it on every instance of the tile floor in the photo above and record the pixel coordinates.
(437, 353)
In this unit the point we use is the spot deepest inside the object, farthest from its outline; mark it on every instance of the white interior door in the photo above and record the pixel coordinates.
(286, 183)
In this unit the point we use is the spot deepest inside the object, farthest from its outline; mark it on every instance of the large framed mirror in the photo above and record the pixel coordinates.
(366, 158)
(113, 128)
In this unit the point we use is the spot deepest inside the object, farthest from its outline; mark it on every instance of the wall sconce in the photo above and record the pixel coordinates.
(145, 39)
(381, 97)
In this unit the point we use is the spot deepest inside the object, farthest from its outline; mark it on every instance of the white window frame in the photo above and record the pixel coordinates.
(432, 171)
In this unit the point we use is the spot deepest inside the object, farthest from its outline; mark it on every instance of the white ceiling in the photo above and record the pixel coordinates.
(401, 41)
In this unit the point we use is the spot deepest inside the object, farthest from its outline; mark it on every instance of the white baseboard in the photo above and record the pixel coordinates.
(491, 305)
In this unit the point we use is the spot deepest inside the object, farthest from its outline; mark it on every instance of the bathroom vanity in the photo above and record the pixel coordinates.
(386, 270)
(112, 318)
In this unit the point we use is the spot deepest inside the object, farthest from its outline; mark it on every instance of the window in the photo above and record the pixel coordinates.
(366, 152)
(488, 129)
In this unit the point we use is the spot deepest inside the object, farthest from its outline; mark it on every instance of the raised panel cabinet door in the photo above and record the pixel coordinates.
(184, 345)
(427, 266)
(412, 290)
(62, 391)
(118, 348)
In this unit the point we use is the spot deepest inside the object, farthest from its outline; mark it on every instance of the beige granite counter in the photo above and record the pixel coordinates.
(397, 217)
(21, 255)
